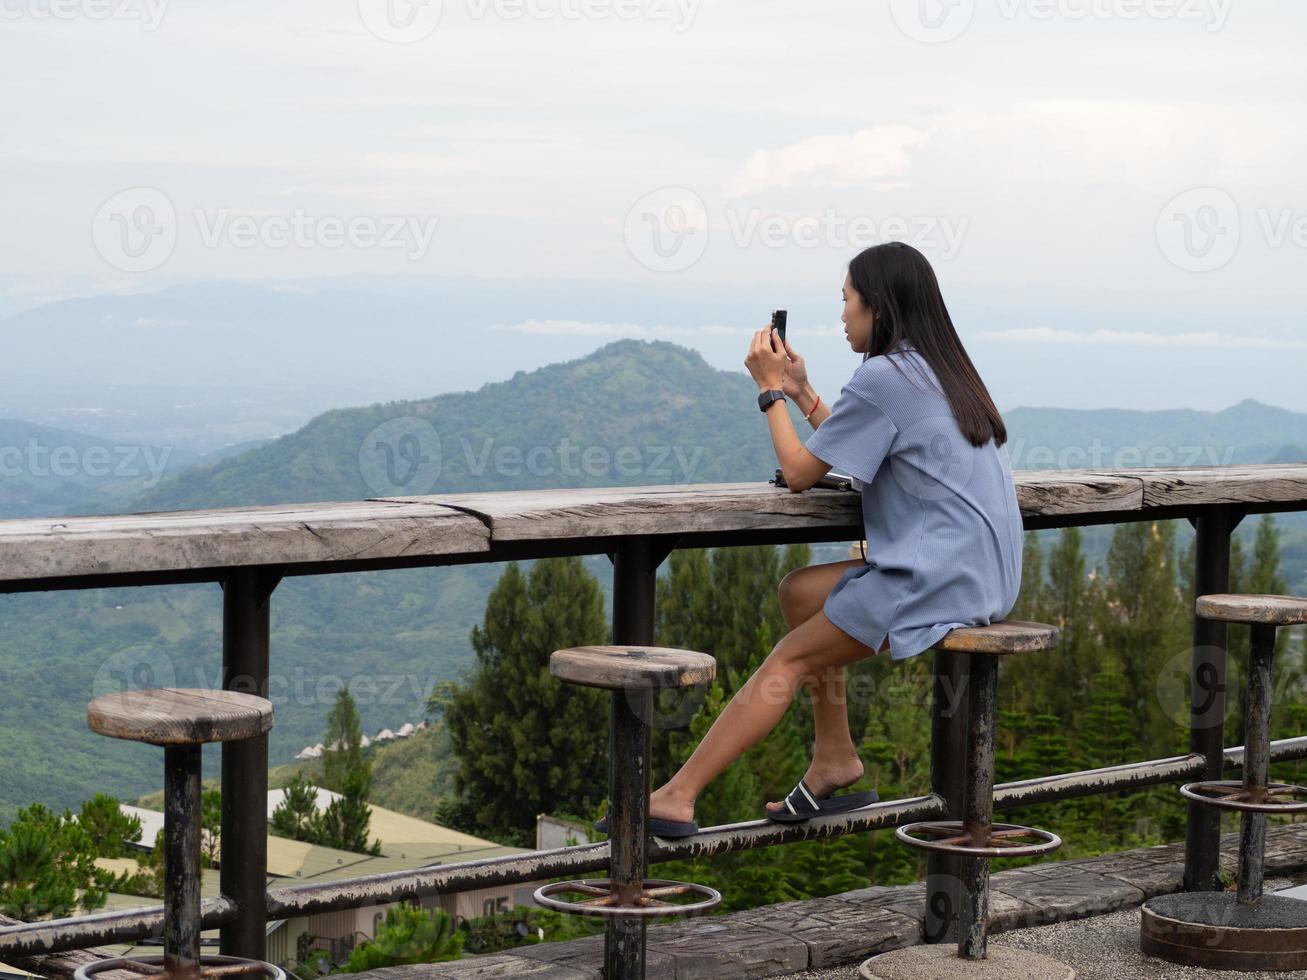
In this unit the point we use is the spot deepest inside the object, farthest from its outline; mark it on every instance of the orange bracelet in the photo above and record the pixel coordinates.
(814, 408)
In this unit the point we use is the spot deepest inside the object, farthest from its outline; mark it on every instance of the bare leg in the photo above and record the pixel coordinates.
(756, 708)
(802, 593)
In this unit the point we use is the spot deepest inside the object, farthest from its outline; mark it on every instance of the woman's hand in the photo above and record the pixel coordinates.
(796, 375)
(766, 361)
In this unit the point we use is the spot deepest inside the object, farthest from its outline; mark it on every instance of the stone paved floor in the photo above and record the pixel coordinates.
(828, 937)
(1104, 947)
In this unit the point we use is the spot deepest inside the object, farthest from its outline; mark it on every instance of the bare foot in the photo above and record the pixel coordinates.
(667, 806)
(824, 778)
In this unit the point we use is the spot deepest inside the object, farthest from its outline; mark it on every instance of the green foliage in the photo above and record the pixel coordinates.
(293, 817)
(109, 829)
(343, 753)
(525, 743)
(407, 935)
(343, 823)
(47, 863)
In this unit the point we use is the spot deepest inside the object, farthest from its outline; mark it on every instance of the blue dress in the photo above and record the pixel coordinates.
(943, 528)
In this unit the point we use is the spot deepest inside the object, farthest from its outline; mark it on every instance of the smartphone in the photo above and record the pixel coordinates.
(778, 319)
(831, 481)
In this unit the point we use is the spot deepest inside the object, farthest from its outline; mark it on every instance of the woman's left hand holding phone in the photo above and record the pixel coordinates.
(767, 360)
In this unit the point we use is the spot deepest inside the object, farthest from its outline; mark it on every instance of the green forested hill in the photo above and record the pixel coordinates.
(678, 420)
(388, 635)
(646, 413)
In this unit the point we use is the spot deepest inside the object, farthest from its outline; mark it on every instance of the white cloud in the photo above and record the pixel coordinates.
(879, 153)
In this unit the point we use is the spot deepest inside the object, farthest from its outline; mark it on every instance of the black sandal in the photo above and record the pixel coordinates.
(658, 827)
(801, 805)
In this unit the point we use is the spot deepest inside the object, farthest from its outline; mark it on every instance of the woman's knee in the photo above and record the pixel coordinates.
(791, 590)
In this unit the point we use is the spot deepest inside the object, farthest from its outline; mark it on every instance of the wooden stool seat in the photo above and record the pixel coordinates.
(632, 667)
(1001, 638)
(180, 716)
(1262, 610)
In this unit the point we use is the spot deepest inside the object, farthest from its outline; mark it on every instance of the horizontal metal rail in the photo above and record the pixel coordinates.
(310, 899)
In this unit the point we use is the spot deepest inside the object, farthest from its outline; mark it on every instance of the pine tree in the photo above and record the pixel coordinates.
(294, 815)
(109, 829)
(47, 866)
(343, 824)
(525, 742)
(1143, 624)
(343, 754)
(1066, 669)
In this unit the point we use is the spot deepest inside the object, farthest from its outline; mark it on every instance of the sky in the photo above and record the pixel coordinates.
(1109, 190)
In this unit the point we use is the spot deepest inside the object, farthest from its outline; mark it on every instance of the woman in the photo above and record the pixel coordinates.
(916, 429)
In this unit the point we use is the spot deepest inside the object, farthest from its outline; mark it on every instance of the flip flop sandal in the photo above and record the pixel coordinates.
(658, 827)
(801, 805)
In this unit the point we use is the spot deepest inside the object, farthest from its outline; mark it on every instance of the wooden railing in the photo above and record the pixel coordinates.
(247, 551)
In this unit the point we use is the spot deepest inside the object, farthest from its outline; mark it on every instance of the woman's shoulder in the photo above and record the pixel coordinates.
(891, 375)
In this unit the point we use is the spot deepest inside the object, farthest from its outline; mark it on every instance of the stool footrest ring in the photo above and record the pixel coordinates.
(1229, 794)
(649, 901)
(995, 841)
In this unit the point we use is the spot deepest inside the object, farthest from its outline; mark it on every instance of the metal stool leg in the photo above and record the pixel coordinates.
(948, 736)
(628, 780)
(181, 857)
(1256, 762)
(978, 810)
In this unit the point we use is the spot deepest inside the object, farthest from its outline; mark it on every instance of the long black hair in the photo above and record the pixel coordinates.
(898, 285)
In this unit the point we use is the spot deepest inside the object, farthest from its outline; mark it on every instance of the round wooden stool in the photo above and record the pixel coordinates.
(1245, 930)
(633, 674)
(976, 838)
(181, 720)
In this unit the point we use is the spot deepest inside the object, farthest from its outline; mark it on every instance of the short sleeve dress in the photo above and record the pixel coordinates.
(943, 528)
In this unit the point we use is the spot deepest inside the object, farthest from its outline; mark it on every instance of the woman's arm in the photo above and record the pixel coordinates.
(766, 363)
(801, 469)
(806, 399)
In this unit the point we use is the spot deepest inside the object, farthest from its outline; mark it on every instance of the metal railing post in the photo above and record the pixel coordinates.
(246, 598)
(1202, 850)
(635, 573)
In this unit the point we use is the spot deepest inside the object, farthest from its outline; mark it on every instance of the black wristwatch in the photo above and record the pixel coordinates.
(767, 397)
